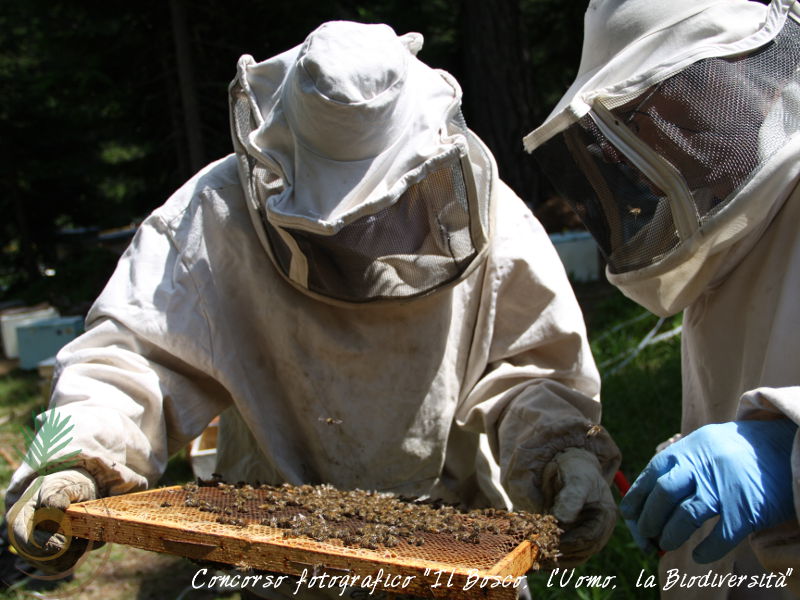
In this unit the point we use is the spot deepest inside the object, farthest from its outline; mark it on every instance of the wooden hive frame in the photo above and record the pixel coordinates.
(157, 520)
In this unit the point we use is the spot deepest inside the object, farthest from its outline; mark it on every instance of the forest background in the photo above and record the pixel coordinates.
(107, 107)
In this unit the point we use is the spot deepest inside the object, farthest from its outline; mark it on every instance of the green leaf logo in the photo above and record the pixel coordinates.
(46, 442)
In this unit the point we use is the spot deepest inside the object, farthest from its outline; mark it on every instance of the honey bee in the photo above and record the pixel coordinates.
(330, 421)
(593, 430)
(634, 211)
(270, 522)
(231, 521)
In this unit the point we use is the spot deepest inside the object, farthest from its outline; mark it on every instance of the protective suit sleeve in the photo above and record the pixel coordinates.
(769, 402)
(138, 385)
(536, 393)
(770, 546)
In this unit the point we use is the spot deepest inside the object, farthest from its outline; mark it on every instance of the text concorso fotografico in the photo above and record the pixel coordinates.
(382, 579)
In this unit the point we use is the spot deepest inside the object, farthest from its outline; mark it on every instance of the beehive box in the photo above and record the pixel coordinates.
(359, 538)
(40, 340)
(12, 319)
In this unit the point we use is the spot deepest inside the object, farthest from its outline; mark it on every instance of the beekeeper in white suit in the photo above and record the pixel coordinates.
(357, 282)
(678, 146)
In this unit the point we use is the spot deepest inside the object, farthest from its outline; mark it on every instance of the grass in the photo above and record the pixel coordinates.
(21, 399)
(641, 403)
(642, 399)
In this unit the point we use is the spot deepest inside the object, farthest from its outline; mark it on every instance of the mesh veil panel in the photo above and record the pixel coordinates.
(615, 200)
(418, 243)
(712, 120)
(716, 122)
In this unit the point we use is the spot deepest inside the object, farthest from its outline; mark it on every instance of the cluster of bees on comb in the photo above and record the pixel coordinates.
(360, 518)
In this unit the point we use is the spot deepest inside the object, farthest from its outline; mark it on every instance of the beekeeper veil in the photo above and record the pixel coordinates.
(363, 181)
(677, 142)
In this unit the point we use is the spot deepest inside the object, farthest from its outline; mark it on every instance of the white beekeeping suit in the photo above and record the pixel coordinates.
(677, 145)
(380, 309)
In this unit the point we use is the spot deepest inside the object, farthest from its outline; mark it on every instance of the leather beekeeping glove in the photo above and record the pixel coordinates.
(581, 500)
(45, 500)
(740, 471)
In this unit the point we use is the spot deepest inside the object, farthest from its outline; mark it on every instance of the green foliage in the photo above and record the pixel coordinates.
(17, 390)
(72, 87)
(20, 401)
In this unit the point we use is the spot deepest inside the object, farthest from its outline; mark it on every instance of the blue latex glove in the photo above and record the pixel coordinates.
(739, 470)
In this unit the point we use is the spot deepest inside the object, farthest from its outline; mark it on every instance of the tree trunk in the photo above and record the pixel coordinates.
(26, 246)
(191, 113)
(497, 88)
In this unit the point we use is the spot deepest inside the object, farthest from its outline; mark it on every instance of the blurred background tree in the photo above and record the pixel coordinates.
(107, 107)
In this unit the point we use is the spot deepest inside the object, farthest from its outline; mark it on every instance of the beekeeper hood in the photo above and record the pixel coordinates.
(677, 142)
(362, 178)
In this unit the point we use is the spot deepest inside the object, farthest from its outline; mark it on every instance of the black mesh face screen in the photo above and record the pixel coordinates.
(716, 122)
(626, 213)
(712, 121)
(418, 243)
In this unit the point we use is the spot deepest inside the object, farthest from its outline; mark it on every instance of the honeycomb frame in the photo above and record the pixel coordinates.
(208, 528)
